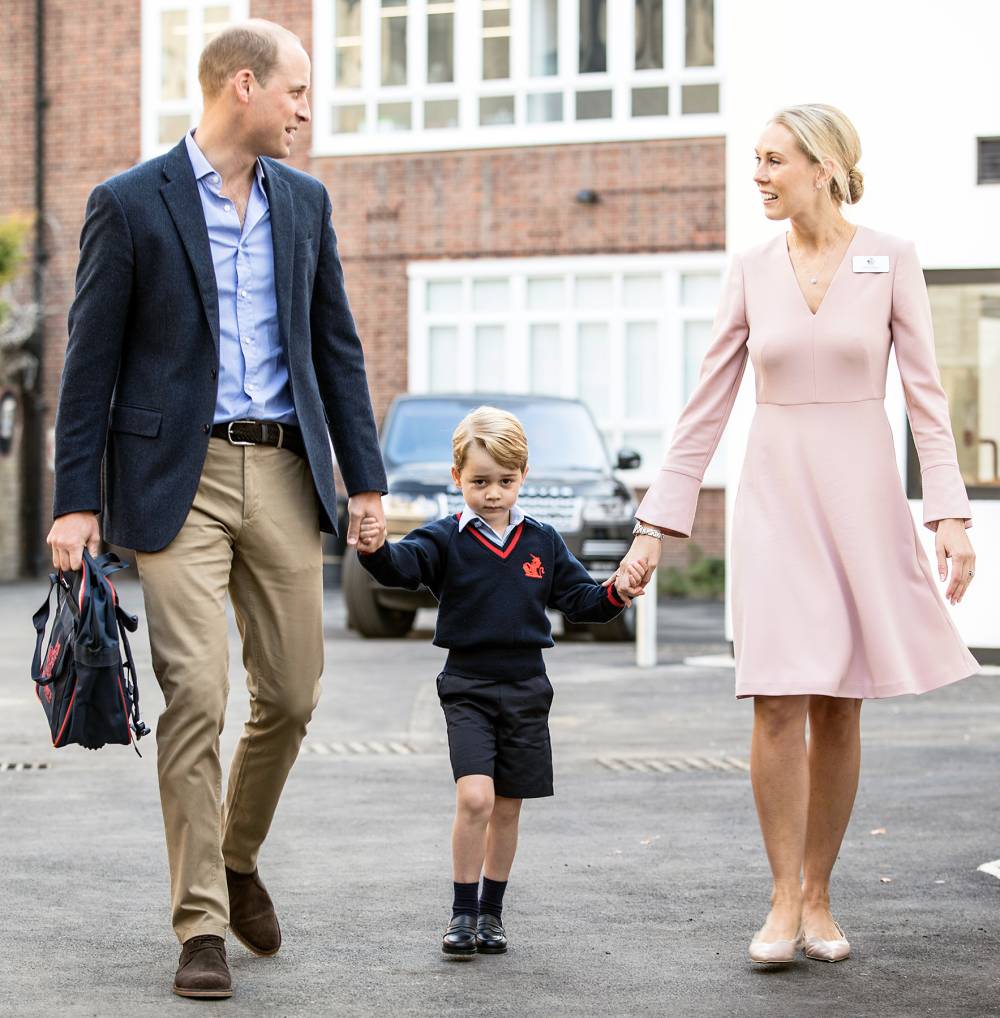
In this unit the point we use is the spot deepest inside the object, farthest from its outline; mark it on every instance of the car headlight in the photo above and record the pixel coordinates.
(404, 512)
(613, 509)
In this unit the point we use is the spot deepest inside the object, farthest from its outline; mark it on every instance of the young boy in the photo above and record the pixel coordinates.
(494, 571)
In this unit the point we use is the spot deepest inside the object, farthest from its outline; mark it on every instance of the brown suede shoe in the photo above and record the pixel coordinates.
(202, 970)
(251, 913)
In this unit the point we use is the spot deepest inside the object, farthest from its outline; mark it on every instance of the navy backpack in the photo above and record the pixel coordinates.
(86, 682)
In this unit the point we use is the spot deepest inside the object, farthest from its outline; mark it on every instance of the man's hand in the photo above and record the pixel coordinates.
(365, 504)
(69, 535)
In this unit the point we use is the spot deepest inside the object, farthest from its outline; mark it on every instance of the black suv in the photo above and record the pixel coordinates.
(570, 485)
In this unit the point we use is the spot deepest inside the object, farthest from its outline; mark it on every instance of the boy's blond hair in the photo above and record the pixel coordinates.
(500, 433)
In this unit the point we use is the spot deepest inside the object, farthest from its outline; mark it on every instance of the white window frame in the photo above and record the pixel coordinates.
(152, 106)
(469, 87)
(517, 319)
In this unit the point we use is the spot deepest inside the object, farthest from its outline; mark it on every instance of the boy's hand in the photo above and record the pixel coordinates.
(628, 581)
(371, 536)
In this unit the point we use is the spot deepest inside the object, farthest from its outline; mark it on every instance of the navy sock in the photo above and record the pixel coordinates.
(466, 899)
(491, 902)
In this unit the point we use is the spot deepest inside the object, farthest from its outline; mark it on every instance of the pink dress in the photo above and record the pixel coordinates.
(832, 591)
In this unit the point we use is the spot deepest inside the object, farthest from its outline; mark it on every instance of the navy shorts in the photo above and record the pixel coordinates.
(500, 728)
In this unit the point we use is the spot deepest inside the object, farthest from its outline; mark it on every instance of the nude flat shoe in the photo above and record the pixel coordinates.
(774, 952)
(828, 950)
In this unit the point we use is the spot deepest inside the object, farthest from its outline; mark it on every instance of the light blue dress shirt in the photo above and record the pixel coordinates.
(469, 516)
(253, 370)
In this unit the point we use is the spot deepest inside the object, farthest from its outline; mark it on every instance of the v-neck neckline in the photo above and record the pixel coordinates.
(833, 279)
(508, 547)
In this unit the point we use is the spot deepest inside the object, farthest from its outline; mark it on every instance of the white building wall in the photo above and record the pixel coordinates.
(920, 80)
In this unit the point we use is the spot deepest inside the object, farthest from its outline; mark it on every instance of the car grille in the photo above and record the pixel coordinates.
(604, 549)
(564, 512)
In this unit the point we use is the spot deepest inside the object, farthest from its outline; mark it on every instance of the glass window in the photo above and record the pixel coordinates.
(496, 110)
(393, 43)
(440, 41)
(490, 358)
(171, 127)
(593, 37)
(546, 374)
(543, 57)
(641, 375)
(648, 35)
(347, 44)
(594, 292)
(700, 289)
(644, 291)
(966, 319)
(593, 105)
(546, 293)
(173, 57)
(490, 294)
(699, 34)
(214, 21)
(441, 113)
(593, 382)
(650, 102)
(444, 295)
(394, 117)
(545, 107)
(443, 355)
(700, 99)
(496, 39)
(697, 339)
(349, 119)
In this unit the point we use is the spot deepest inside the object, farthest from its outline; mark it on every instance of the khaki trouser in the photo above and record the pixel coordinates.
(253, 530)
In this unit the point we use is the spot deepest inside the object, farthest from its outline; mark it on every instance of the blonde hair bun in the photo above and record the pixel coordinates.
(855, 185)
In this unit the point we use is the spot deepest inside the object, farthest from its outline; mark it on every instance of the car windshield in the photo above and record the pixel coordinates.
(561, 435)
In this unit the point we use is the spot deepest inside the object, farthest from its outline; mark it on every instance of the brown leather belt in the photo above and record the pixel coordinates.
(282, 436)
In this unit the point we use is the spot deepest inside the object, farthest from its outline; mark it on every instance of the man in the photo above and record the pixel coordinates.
(212, 357)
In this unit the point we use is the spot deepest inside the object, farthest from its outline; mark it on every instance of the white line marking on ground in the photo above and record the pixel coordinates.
(993, 868)
(710, 661)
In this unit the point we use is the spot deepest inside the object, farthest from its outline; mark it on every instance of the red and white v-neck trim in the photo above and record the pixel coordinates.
(503, 552)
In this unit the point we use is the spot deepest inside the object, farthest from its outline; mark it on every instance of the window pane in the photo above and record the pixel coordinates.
(443, 358)
(699, 35)
(643, 291)
(394, 117)
(172, 127)
(593, 384)
(648, 35)
(593, 105)
(545, 107)
(593, 292)
(650, 102)
(441, 113)
(444, 295)
(490, 364)
(545, 362)
(347, 119)
(967, 341)
(544, 39)
(440, 41)
(546, 293)
(173, 58)
(700, 289)
(214, 20)
(700, 99)
(697, 339)
(394, 42)
(593, 37)
(491, 295)
(641, 373)
(495, 110)
(496, 39)
(347, 44)
(649, 445)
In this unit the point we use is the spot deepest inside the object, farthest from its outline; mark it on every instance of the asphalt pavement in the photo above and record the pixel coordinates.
(636, 888)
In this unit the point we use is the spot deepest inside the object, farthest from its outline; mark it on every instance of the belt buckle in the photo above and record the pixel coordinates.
(229, 433)
(281, 432)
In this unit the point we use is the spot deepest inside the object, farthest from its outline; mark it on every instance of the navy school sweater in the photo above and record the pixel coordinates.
(492, 600)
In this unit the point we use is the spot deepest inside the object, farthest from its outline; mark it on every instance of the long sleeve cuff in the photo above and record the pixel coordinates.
(945, 497)
(671, 502)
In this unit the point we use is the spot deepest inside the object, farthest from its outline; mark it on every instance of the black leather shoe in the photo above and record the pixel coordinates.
(460, 937)
(490, 936)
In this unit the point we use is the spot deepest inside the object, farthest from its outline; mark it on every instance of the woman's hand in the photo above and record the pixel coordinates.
(644, 553)
(628, 582)
(952, 542)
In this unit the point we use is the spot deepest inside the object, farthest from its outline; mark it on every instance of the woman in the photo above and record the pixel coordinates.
(834, 600)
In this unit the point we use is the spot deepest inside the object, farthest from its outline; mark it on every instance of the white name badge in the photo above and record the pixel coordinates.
(871, 263)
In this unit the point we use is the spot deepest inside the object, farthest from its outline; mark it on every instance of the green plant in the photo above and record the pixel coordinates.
(14, 230)
(704, 578)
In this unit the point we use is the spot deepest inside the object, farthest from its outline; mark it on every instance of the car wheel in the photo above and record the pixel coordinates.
(364, 614)
(619, 630)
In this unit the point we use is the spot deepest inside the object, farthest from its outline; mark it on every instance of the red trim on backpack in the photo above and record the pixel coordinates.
(69, 714)
(486, 542)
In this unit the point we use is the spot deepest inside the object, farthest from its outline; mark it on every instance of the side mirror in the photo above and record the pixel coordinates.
(628, 459)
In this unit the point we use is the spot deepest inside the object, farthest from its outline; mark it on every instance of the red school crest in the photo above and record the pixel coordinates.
(534, 569)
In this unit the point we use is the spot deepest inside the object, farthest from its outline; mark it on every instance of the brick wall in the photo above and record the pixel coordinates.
(656, 196)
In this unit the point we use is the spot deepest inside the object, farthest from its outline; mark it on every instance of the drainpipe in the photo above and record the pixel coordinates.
(33, 461)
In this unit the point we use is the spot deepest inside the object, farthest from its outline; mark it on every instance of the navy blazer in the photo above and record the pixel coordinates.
(141, 372)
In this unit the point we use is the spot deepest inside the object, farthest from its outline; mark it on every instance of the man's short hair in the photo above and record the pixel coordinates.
(500, 433)
(254, 44)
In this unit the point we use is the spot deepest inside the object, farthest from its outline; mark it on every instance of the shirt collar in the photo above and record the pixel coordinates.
(468, 515)
(203, 168)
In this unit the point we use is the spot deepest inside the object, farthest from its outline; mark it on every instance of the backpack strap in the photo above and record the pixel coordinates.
(130, 622)
(40, 620)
